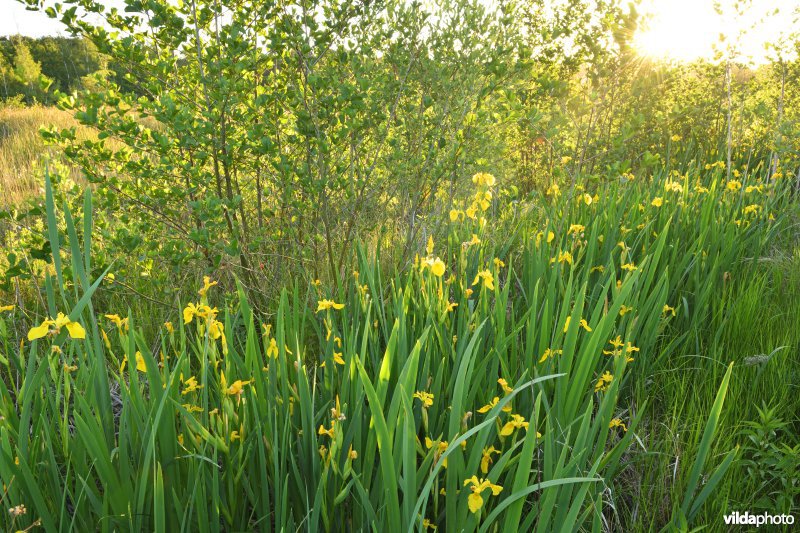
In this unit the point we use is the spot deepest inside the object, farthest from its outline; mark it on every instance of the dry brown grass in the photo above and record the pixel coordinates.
(23, 152)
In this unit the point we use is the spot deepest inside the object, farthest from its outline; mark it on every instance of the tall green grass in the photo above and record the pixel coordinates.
(504, 365)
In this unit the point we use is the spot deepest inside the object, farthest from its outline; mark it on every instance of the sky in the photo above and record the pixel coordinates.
(684, 30)
(680, 30)
(14, 19)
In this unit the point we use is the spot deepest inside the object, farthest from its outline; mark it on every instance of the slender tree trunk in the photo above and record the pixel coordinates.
(729, 138)
(773, 167)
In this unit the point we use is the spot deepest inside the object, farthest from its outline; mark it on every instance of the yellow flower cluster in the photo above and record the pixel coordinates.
(337, 416)
(216, 329)
(436, 265)
(576, 229)
(456, 215)
(203, 311)
(190, 385)
(718, 164)
(751, 209)
(553, 190)
(483, 179)
(481, 200)
(733, 186)
(621, 347)
(603, 382)
(563, 257)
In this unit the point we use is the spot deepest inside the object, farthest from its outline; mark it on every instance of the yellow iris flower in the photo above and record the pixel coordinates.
(190, 385)
(324, 305)
(436, 265)
(483, 179)
(486, 458)
(441, 447)
(200, 311)
(548, 353)
(604, 381)
(236, 388)
(207, 284)
(582, 323)
(751, 209)
(425, 397)
(272, 349)
(475, 500)
(329, 432)
(121, 323)
(140, 364)
(486, 408)
(617, 423)
(516, 422)
(486, 277)
(576, 228)
(74, 329)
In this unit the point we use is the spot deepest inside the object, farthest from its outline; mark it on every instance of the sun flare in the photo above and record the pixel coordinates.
(688, 30)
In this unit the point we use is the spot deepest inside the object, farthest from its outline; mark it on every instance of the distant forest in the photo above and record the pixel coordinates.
(34, 70)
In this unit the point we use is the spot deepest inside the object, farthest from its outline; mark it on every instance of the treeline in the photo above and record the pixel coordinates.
(35, 70)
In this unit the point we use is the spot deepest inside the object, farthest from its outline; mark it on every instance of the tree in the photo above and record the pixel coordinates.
(263, 138)
(28, 73)
(7, 78)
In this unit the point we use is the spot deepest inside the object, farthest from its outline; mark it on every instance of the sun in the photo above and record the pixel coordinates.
(683, 30)
(688, 30)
